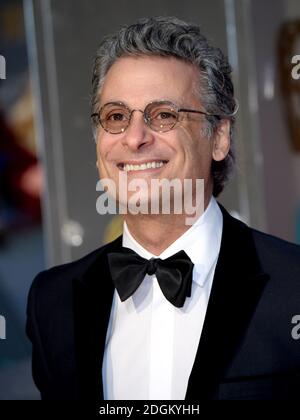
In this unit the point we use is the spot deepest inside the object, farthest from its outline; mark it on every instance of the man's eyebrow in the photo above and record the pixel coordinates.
(178, 102)
(113, 102)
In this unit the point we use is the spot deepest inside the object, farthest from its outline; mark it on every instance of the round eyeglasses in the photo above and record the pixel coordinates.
(161, 116)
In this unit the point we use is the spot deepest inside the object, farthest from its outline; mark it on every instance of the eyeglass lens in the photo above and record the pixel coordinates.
(160, 116)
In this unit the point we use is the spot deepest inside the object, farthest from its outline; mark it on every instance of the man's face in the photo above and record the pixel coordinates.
(184, 151)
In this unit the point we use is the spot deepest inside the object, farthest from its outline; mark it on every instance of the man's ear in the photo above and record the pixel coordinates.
(221, 141)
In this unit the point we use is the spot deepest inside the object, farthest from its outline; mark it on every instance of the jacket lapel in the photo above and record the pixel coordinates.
(93, 296)
(237, 287)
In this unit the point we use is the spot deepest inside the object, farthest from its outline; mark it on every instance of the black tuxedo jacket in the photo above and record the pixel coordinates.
(246, 351)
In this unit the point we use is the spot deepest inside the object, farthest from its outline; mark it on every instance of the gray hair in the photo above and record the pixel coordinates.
(171, 37)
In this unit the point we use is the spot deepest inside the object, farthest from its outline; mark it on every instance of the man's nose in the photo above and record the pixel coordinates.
(138, 133)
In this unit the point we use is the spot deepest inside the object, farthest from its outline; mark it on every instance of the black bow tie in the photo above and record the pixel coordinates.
(174, 274)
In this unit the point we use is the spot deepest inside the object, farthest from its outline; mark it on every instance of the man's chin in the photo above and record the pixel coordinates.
(135, 203)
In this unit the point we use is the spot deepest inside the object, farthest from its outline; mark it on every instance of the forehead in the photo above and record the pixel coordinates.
(139, 80)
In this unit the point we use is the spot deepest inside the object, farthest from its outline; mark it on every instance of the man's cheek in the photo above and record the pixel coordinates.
(103, 172)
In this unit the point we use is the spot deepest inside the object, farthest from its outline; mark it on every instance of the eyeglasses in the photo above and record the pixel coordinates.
(160, 116)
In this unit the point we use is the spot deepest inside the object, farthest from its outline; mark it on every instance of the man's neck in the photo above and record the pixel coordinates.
(157, 232)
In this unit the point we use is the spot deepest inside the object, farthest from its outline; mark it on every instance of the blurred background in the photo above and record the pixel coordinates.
(47, 154)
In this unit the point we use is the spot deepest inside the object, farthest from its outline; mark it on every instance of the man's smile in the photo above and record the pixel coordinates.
(145, 165)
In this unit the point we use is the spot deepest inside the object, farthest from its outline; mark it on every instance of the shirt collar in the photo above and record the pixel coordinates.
(201, 242)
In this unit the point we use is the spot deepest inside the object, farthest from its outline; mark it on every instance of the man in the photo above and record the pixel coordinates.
(168, 310)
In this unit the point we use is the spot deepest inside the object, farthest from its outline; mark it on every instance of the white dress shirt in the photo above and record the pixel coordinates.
(150, 344)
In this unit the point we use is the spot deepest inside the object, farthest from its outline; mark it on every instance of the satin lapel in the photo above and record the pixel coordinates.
(93, 295)
(237, 287)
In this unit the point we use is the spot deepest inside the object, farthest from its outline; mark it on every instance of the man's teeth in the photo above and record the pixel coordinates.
(143, 166)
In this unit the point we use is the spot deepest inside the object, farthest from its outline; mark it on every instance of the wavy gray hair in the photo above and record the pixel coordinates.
(171, 37)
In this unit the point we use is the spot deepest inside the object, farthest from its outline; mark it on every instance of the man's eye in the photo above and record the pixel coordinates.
(117, 116)
(165, 115)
